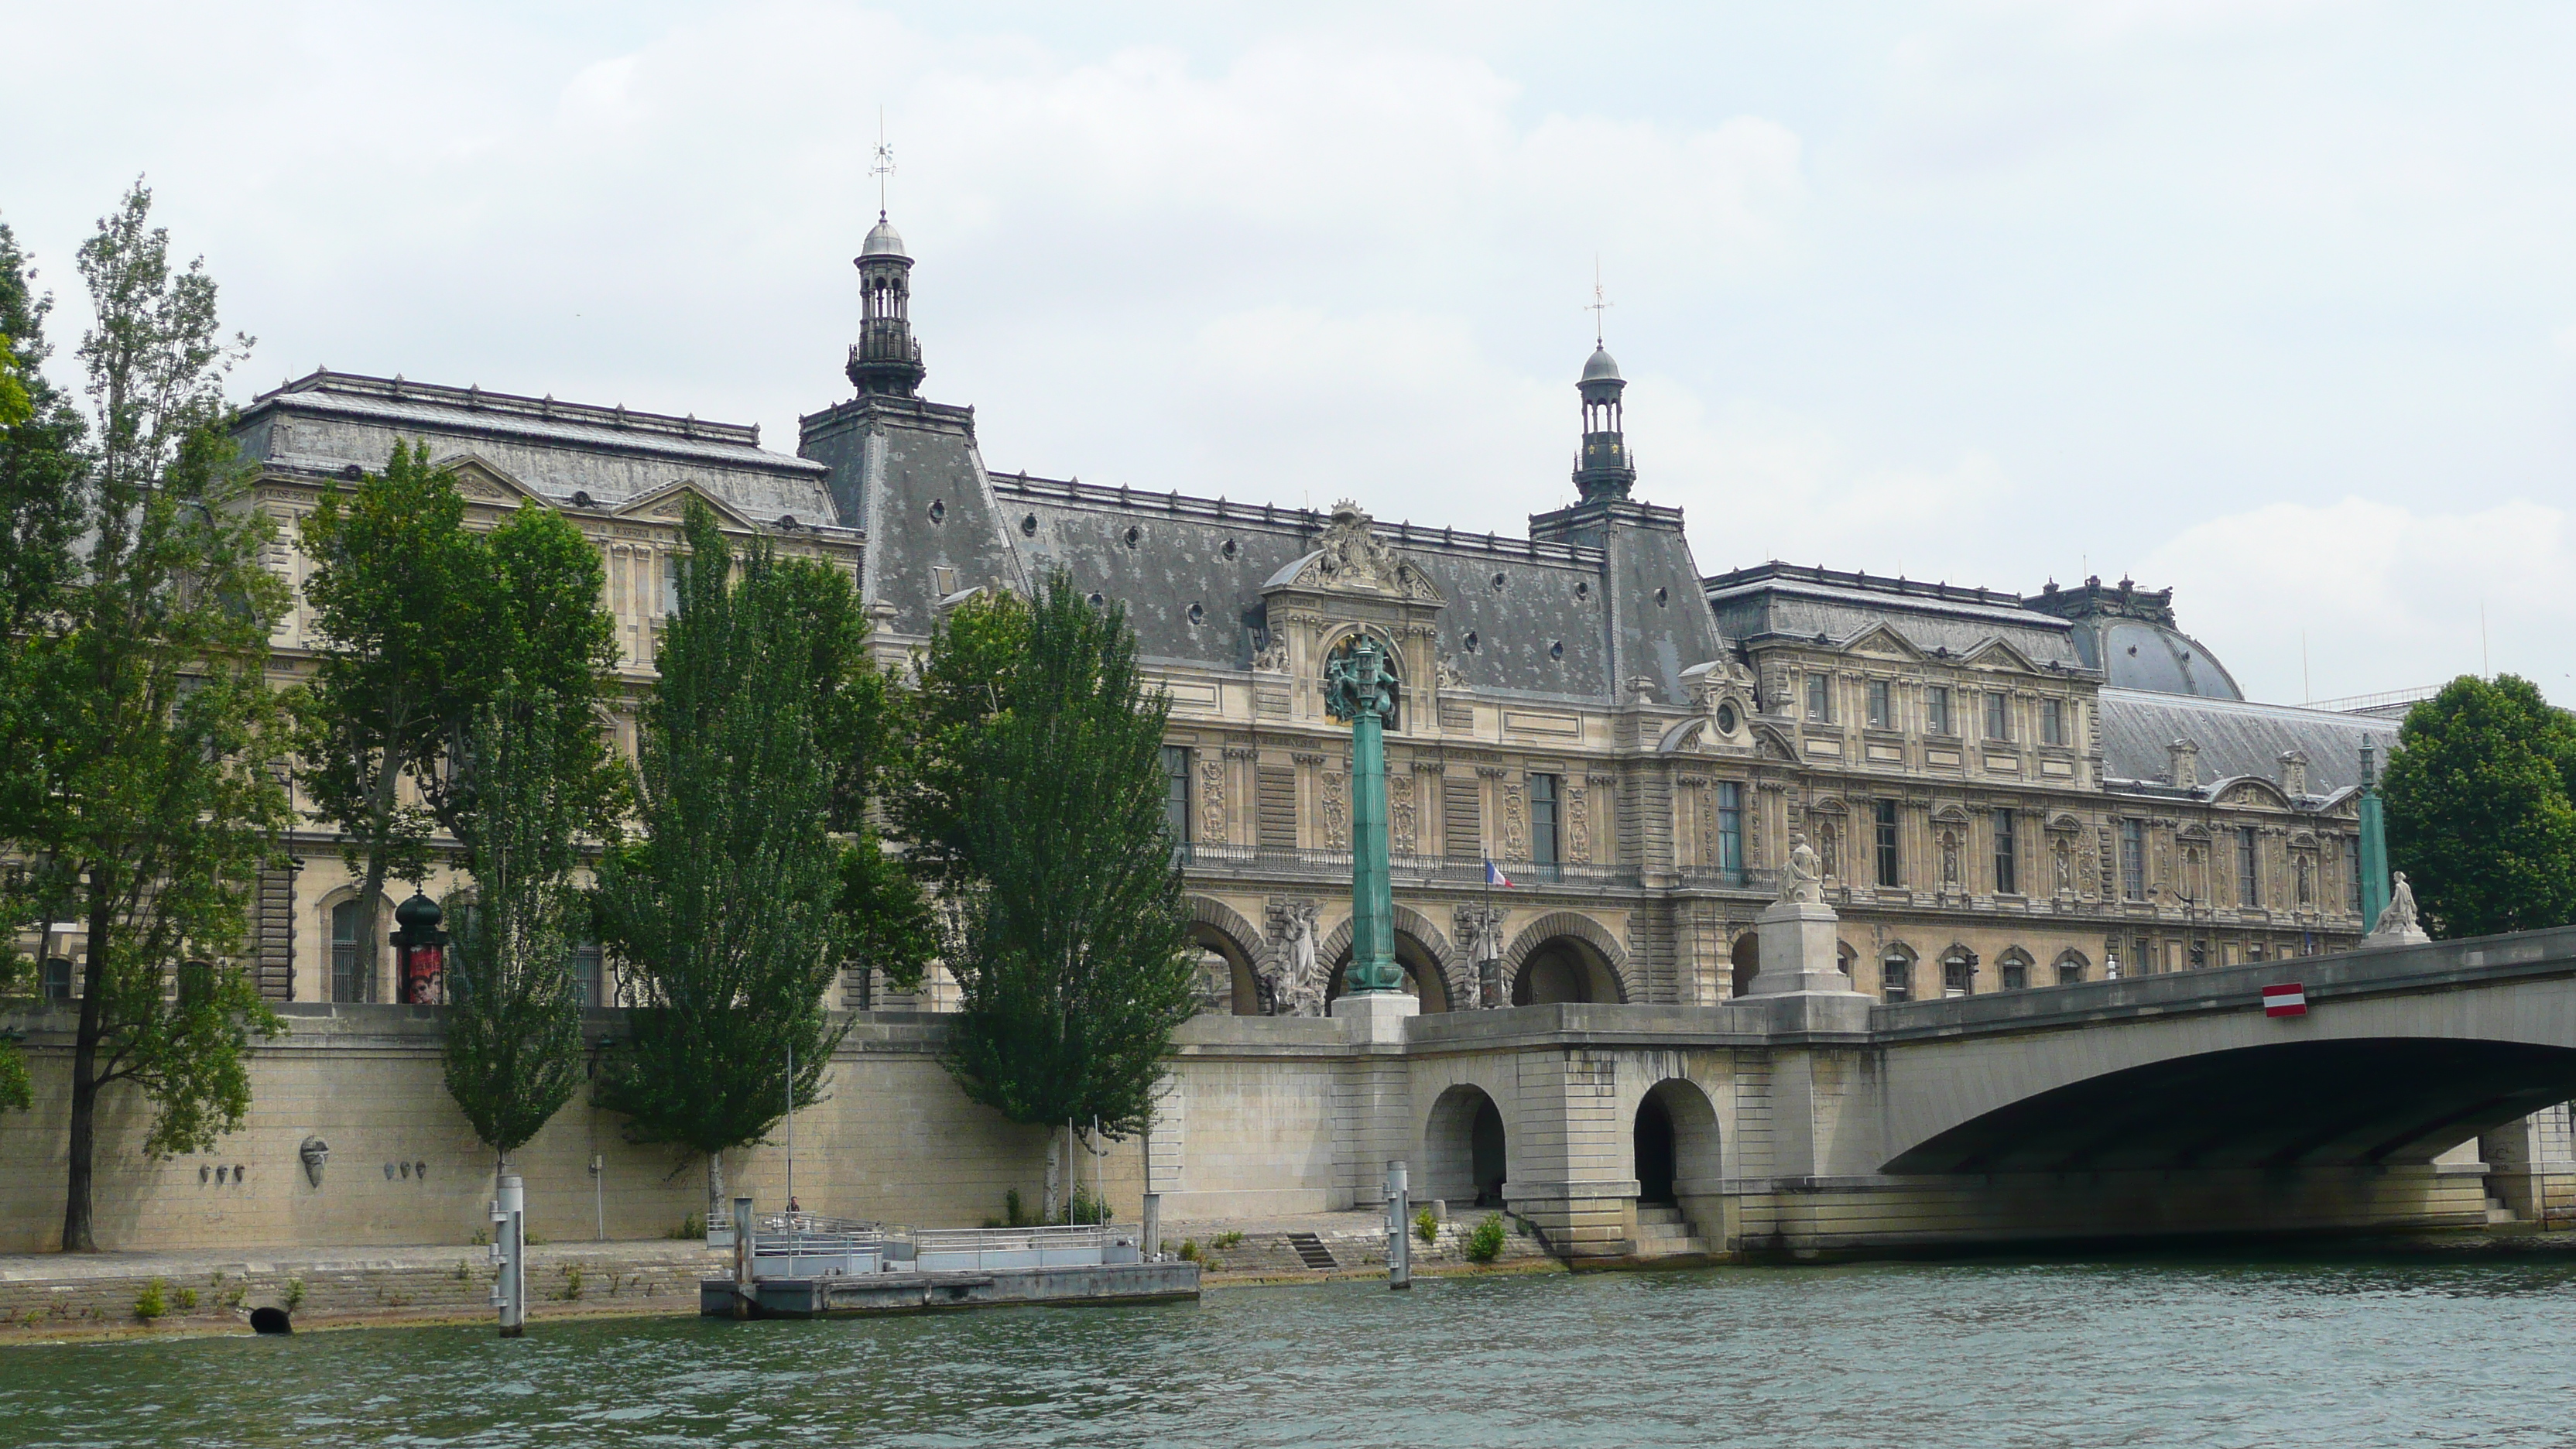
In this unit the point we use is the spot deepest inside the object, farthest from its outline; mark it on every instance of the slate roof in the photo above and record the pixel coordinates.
(326, 421)
(2235, 738)
(1542, 631)
(1777, 600)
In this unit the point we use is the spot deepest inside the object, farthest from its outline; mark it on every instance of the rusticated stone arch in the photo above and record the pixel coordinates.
(1220, 927)
(1457, 978)
(1561, 924)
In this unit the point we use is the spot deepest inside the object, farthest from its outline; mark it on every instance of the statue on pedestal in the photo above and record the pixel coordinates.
(2397, 921)
(1804, 881)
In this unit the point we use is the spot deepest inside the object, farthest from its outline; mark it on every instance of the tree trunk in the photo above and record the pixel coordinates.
(1055, 1162)
(78, 1235)
(715, 1187)
(371, 928)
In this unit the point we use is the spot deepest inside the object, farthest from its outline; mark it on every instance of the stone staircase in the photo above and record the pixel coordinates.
(2497, 1213)
(1662, 1232)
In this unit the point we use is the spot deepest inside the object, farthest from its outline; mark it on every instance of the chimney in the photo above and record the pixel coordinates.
(2294, 774)
(2186, 764)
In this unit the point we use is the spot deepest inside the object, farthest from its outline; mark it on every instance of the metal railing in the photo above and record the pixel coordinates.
(809, 1245)
(971, 1250)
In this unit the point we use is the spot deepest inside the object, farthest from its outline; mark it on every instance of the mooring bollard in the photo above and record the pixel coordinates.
(1153, 1227)
(745, 1291)
(1399, 1242)
(510, 1253)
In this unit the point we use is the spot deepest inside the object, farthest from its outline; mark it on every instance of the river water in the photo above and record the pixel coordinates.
(1990, 1354)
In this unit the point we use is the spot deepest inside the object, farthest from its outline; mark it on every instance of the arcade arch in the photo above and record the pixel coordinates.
(1226, 971)
(1466, 1153)
(1673, 1139)
(1565, 957)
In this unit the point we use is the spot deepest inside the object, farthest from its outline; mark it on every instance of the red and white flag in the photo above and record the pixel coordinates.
(2287, 999)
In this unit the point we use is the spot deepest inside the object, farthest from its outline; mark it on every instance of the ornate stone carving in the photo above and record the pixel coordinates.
(1515, 823)
(315, 1153)
(1400, 819)
(1480, 936)
(1337, 812)
(1211, 820)
(1271, 658)
(2064, 851)
(1294, 982)
(1829, 850)
(1949, 860)
(1578, 822)
(2397, 918)
(1446, 673)
(1350, 556)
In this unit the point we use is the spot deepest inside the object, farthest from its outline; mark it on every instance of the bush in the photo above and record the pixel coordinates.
(1189, 1250)
(1426, 1227)
(1485, 1244)
(1015, 1213)
(1084, 1208)
(294, 1294)
(187, 1300)
(149, 1304)
(1226, 1240)
(572, 1283)
(692, 1226)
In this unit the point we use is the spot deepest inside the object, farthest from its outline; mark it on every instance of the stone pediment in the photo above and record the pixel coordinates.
(1999, 654)
(480, 480)
(1878, 641)
(670, 504)
(1350, 558)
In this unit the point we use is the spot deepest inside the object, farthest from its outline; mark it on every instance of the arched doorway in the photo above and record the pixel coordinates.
(1466, 1156)
(1422, 978)
(1565, 969)
(1656, 1167)
(1747, 957)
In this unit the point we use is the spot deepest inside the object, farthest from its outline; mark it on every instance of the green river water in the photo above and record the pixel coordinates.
(2200, 1352)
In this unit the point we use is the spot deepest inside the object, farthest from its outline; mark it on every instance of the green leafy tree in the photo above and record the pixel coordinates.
(725, 913)
(1070, 943)
(513, 1020)
(42, 477)
(397, 588)
(965, 681)
(147, 719)
(2479, 808)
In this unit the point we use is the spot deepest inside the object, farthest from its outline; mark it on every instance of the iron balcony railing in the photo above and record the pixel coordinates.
(1405, 869)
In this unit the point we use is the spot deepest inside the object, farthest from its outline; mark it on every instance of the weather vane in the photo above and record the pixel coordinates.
(883, 166)
(1599, 304)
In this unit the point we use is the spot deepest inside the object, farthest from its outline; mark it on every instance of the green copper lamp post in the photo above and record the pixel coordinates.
(1359, 692)
(2374, 841)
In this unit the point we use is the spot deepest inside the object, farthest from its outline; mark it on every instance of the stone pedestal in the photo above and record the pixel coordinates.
(2411, 936)
(1798, 950)
(1376, 1016)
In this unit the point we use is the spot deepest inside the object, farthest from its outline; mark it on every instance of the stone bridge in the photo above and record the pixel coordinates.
(2422, 1088)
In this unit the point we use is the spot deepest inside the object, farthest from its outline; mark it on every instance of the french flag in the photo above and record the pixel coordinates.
(1494, 875)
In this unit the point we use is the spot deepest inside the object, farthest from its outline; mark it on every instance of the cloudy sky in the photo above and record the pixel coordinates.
(2270, 301)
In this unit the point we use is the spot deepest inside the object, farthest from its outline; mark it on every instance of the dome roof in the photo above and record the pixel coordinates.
(883, 241)
(2141, 654)
(1601, 368)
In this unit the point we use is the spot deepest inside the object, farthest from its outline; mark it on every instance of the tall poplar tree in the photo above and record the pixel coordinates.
(725, 913)
(147, 719)
(2480, 814)
(1069, 940)
(513, 1020)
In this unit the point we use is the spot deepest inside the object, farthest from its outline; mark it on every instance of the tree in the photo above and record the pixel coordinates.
(2479, 810)
(967, 679)
(724, 913)
(513, 1022)
(147, 722)
(1070, 943)
(41, 481)
(396, 588)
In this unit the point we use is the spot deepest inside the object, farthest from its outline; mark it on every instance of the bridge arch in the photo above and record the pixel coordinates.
(1566, 956)
(1673, 1141)
(1222, 931)
(1466, 1148)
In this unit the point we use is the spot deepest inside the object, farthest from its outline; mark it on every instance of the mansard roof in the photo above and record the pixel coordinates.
(567, 453)
(2235, 739)
(1779, 601)
(1537, 611)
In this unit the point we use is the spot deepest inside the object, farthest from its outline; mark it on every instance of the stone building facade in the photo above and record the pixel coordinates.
(1601, 756)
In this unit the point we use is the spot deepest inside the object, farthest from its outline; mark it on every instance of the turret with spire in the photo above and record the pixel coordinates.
(1602, 470)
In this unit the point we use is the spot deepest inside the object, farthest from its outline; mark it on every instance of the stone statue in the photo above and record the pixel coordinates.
(1806, 881)
(1297, 986)
(2399, 917)
(315, 1152)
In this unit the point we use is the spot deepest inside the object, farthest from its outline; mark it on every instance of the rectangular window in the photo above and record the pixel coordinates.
(2016, 973)
(2007, 855)
(2249, 875)
(1998, 717)
(1882, 715)
(1820, 698)
(2133, 860)
(2254, 952)
(1730, 828)
(1461, 811)
(672, 563)
(583, 964)
(58, 979)
(348, 979)
(1936, 710)
(2052, 721)
(1176, 795)
(1958, 976)
(1885, 811)
(1542, 808)
(1896, 977)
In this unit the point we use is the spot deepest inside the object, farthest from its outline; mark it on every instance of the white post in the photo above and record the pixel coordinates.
(1399, 1242)
(599, 1192)
(510, 1246)
(745, 1291)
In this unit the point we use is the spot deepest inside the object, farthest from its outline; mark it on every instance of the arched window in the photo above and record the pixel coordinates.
(2014, 969)
(1959, 972)
(2071, 967)
(351, 976)
(1896, 974)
